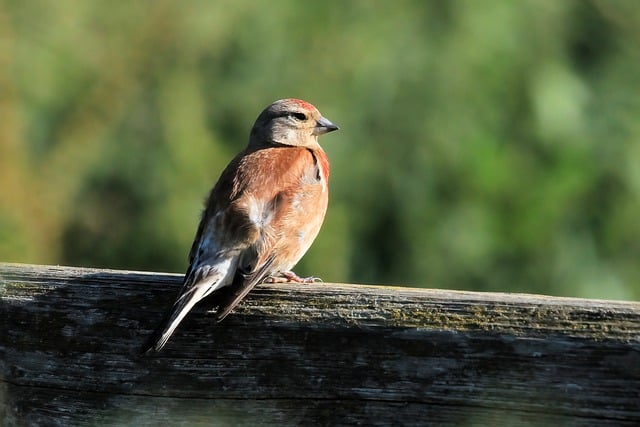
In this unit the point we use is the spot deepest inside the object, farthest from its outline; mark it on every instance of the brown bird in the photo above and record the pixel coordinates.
(261, 216)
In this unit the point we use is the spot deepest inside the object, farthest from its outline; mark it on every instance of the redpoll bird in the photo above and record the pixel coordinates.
(262, 215)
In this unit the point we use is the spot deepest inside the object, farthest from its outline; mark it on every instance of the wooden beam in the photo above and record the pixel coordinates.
(310, 354)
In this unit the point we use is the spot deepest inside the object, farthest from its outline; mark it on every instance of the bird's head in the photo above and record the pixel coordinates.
(290, 122)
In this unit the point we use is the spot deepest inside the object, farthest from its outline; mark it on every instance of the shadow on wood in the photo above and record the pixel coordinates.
(321, 354)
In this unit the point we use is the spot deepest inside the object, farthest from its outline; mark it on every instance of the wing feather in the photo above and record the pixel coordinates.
(243, 236)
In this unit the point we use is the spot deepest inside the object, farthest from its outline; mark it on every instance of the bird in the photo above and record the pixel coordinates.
(262, 215)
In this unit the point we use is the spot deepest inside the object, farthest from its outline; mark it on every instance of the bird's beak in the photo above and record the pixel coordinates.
(324, 126)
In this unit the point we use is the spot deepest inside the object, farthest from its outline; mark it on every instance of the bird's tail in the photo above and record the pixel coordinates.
(180, 308)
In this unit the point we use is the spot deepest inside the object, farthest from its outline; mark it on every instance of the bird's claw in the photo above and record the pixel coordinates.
(290, 276)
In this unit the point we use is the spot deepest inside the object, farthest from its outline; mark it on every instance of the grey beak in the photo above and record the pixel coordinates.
(324, 126)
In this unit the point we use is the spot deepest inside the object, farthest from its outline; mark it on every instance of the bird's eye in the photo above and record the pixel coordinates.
(299, 116)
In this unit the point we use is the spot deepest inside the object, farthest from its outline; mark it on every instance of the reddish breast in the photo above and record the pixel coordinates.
(323, 162)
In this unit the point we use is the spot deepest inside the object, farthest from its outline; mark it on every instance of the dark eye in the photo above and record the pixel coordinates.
(299, 116)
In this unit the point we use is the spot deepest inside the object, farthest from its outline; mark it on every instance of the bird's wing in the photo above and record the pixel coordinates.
(224, 232)
(236, 293)
(242, 236)
(291, 171)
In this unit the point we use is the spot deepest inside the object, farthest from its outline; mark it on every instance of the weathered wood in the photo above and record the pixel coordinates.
(310, 354)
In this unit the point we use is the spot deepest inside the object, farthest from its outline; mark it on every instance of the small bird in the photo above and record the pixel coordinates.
(261, 216)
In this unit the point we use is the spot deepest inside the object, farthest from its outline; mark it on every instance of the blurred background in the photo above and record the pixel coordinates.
(485, 145)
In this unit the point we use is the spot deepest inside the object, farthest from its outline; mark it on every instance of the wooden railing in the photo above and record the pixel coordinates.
(321, 354)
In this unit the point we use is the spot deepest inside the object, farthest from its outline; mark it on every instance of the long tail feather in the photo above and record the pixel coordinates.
(182, 306)
(198, 285)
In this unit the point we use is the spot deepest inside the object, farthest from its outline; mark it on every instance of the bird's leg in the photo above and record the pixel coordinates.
(290, 276)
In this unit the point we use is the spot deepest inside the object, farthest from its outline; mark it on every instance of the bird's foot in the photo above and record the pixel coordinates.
(290, 276)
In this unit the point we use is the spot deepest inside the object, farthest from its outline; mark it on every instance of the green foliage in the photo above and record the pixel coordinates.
(488, 145)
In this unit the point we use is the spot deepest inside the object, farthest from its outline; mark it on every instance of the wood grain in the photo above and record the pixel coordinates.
(327, 354)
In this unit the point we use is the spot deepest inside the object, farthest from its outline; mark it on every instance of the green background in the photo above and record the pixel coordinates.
(485, 145)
